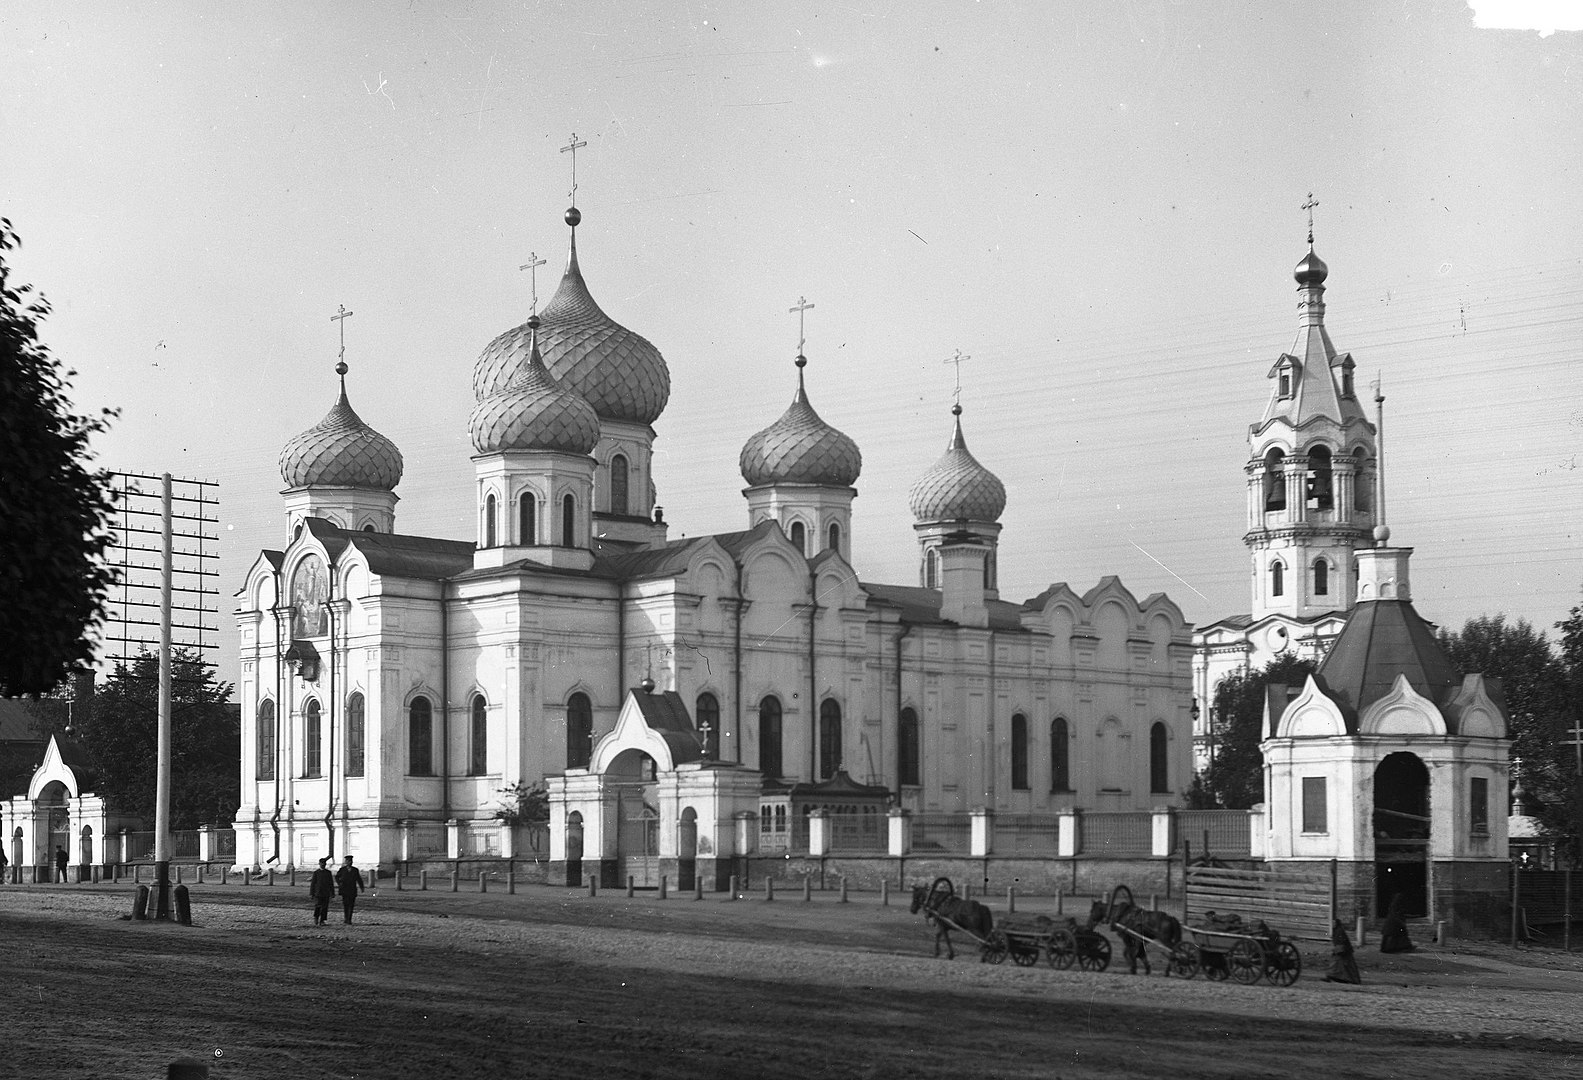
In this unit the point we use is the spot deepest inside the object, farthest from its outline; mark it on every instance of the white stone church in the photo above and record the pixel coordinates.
(393, 685)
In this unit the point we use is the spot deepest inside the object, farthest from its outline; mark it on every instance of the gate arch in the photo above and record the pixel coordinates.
(1401, 834)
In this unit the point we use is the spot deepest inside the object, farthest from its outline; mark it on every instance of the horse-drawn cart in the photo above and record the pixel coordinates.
(1062, 943)
(1245, 954)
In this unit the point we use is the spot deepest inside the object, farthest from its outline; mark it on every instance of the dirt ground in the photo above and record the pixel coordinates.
(550, 982)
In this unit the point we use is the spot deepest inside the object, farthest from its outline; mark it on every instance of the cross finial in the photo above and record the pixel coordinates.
(533, 264)
(800, 308)
(340, 316)
(572, 147)
(1309, 206)
(956, 360)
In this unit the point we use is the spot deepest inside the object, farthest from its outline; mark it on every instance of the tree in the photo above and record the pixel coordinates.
(53, 582)
(120, 732)
(1234, 779)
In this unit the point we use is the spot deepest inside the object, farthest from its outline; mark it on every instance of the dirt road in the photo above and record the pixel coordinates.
(552, 983)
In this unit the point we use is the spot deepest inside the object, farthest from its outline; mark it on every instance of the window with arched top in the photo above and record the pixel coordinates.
(618, 484)
(1159, 742)
(312, 739)
(1321, 578)
(266, 740)
(833, 535)
(1286, 382)
(1320, 488)
(1277, 579)
(931, 569)
(369, 527)
(1019, 752)
(527, 519)
(799, 537)
(579, 731)
(770, 736)
(489, 522)
(909, 749)
(568, 522)
(706, 714)
(829, 738)
(478, 742)
(420, 737)
(1360, 480)
(989, 571)
(1060, 755)
(355, 735)
(1274, 479)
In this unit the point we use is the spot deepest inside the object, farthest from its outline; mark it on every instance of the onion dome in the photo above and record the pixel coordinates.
(800, 448)
(619, 373)
(1312, 270)
(341, 451)
(957, 487)
(534, 412)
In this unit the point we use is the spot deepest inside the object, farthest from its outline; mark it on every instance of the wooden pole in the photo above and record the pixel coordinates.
(162, 766)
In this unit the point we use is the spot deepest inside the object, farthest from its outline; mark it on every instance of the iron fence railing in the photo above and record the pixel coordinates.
(1026, 834)
(946, 833)
(1117, 832)
(1216, 833)
(861, 832)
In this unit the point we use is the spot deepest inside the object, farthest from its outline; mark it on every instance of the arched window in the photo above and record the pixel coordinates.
(829, 738)
(1360, 481)
(569, 522)
(1286, 381)
(1159, 778)
(1321, 491)
(910, 750)
(834, 534)
(989, 571)
(1274, 479)
(618, 484)
(312, 741)
(1277, 579)
(370, 527)
(1321, 578)
(420, 737)
(266, 740)
(579, 731)
(1019, 752)
(931, 569)
(770, 737)
(799, 537)
(706, 713)
(1060, 756)
(489, 522)
(478, 757)
(527, 519)
(354, 735)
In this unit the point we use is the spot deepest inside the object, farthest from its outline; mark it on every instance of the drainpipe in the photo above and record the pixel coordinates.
(906, 628)
(813, 683)
(445, 708)
(621, 644)
(736, 668)
(280, 705)
(994, 751)
(329, 770)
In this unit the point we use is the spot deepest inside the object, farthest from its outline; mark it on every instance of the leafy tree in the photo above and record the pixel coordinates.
(120, 732)
(53, 582)
(525, 804)
(1234, 779)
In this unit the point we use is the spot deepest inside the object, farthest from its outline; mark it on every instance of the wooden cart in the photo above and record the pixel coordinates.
(1062, 943)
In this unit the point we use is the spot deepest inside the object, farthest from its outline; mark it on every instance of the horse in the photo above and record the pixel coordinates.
(946, 910)
(1158, 926)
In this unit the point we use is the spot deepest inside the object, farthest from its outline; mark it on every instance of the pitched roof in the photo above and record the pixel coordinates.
(666, 715)
(392, 553)
(922, 606)
(1384, 639)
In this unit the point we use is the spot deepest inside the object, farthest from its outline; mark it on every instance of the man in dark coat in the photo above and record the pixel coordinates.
(1393, 935)
(60, 864)
(349, 882)
(321, 887)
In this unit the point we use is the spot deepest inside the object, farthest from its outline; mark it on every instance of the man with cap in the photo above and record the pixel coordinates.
(348, 882)
(321, 887)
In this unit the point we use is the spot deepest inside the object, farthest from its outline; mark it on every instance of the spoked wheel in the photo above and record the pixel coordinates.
(1246, 961)
(995, 948)
(1284, 964)
(1214, 965)
(1184, 960)
(1095, 954)
(1024, 955)
(1062, 950)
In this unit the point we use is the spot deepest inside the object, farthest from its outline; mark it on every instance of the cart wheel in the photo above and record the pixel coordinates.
(1246, 961)
(1214, 965)
(1285, 964)
(1185, 960)
(1095, 954)
(1024, 955)
(1062, 950)
(995, 948)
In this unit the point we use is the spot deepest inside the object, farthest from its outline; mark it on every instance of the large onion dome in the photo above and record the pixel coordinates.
(619, 373)
(1312, 270)
(957, 487)
(534, 412)
(800, 448)
(341, 451)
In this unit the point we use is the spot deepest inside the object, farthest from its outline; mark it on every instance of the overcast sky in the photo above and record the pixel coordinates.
(1100, 204)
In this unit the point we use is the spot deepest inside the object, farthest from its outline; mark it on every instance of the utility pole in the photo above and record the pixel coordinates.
(162, 772)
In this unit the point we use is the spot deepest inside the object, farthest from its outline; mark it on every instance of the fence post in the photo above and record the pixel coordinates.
(631, 886)
(807, 889)
(967, 890)
(511, 882)
(843, 890)
(1517, 877)
(247, 875)
(483, 881)
(272, 875)
(455, 878)
(665, 886)
(769, 889)
(1011, 899)
(423, 881)
(735, 884)
(884, 892)
(593, 884)
(698, 887)
(293, 872)
(1060, 901)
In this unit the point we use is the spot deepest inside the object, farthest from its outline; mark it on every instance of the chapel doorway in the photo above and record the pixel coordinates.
(632, 776)
(1401, 835)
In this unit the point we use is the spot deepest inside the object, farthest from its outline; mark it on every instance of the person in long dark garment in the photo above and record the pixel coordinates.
(1393, 935)
(1343, 968)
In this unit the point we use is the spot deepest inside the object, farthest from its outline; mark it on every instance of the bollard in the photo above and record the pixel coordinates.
(843, 890)
(1154, 901)
(247, 875)
(511, 882)
(115, 872)
(698, 887)
(225, 875)
(1060, 901)
(200, 875)
(178, 875)
(631, 886)
(397, 876)
(884, 892)
(1011, 899)
(293, 872)
(183, 905)
(1360, 932)
(734, 886)
(272, 875)
(483, 881)
(140, 903)
(665, 882)
(967, 890)
(807, 889)
(1440, 932)
(593, 885)
(455, 875)
(769, 889)
(423, 881)
(137, 874)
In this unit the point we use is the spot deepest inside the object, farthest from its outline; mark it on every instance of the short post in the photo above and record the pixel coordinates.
(1060, 899)
(225, 874)
(455, 878)
(769, 889)
(698, 886)
(967, 890)
(1154, 902)
(200, 873)
(423, 881)
(140, 903)
(398, 877)
(483, 881)
(884, 892)
(272, 875)
(665, 882)
(1011, 899)
(843, 890)
(632, 886)
(1359, 931)
(511, 882)
(593, 884)
(137, 874)
(183, 905)
(247, 875)
(1440, 931)
(293, 873)
(807, 889)
(735, 884)
(178, 875)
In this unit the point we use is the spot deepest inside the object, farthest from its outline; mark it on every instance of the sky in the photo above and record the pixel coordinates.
(1100, 205)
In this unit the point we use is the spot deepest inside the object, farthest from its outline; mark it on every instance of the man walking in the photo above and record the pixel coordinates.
(349, 882)
(61, 862)
(321, 887)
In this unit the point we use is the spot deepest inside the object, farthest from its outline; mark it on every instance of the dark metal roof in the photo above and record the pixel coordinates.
(392, 553)
(1384, 639)
(76, 758)
(666, 714)
(921, 606)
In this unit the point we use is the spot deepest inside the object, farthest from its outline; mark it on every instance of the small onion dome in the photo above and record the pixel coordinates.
(620, 374)
(957, 487)
(341, 451)
(800, 448)
(534, 412)
(1312, 270)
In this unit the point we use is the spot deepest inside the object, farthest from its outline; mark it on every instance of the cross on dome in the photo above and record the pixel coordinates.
(533, 264)
(340, 316)
(571, 147)
(799, 309)
(1309, 206)
(956, 359)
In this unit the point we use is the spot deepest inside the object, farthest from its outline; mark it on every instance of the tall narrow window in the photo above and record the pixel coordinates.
(1360, 482)
(478, 758)
(1321, 489)
(1277, 579)
(910, 750)
(312, 748)
(618, 484)
(706, 714)
(1479, 806)
(829, 738)
(489, 522)
(527, 519)
(1060, 756)
(931, 569)
(569, 522)
(1286, 382)
(420, 737)
(354, 735)
(579, 731)
(266, 740)
(1315, 819)
(799, 537)
(989, 571)
(1019, 752)
(1321, 578)
(834, 534)
(1274, 480)
(770, 737)
(1159, 760)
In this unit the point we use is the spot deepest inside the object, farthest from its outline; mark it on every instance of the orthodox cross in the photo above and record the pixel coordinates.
(1576, 741)
(800, 309)
(572, 147)
(703, 736)
(340, 316)
(957, 361)
(533, 264)
(1309, 206)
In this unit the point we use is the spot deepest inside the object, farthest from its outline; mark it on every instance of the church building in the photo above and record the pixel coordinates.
(395, 688)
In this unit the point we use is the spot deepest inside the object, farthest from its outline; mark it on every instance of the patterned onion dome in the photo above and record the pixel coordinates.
(957, 487)
(800, 448)
(341, 451)
(534, 412)
(1312, 270)
(620, 374)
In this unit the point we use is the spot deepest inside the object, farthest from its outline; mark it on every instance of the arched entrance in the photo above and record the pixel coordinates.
(632, 777)
(57, 823)
(1401, 834)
